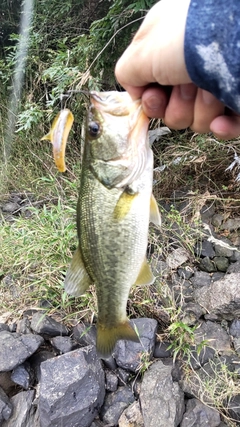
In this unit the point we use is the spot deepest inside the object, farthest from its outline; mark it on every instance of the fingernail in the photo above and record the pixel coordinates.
(208, 98)
(188, 91)
(153, 103)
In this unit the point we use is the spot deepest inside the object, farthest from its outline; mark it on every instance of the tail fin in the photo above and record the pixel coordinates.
(108, 336)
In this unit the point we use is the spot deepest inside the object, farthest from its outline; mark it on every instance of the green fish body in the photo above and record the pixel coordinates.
(114, 209)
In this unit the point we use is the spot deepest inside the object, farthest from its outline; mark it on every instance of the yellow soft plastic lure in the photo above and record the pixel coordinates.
(58, 136)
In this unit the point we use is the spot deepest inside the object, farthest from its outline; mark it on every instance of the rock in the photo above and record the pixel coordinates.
(185, 273)
(161, 350)
(217, 220)
(224, 247)
(207, 212)
(177, 258)
(234, 268)
(36, 360)
(199, 415)
(6, 383)
(233, 408)
(43, 324)
(234, 328)
(115, 403)
(23, 414)
(5, 406)
(23, 326)
(131, 416)
(161, 399)
(111, 381)
(215, 336)
(15, 348)
(221, 263)
(4, 327)
(236, 345)
(207, 265)
(128, 354)
(23, 375)
(204, 248)
(235, 256)
(123, 376)
(63, 344)
(85, 334)
(71, 389)
(218, 275)
(10, 207)
(191, 312)
(221, 298)
(231, 224)
(201, 278)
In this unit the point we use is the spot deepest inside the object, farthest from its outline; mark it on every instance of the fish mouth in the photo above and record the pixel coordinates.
(113, 102)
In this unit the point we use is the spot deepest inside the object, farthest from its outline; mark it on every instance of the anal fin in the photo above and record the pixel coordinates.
(77, 279)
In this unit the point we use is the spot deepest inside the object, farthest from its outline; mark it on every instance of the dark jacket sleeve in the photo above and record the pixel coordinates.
(212, 48)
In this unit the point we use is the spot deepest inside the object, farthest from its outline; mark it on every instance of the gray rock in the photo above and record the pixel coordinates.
(36, 361)
(123, 376)
(23, 375)
(4, 327)
(15, 349)
(176, 258)
(235, 256)
(204, 248)
(201, 278)
(5, 406)
(111, 381)
(207, 212)
(221, 298)
(131, 416)
(234, 268)
(185, 273)
(218, 275)
(217, 220)
(221, 263)
(234, 328)
(233, 408)
(85, 334)
(10, 207)
(6, 383)
(221, 249)
(191, 313)
(128, 354)
(23, 414)
(161, 399)
(215, 336)
(43, 324)
(162, 350)
(236, 345)
(63, 344)
(199, 415)
(207, 265)
(115, 403)
(71, 389)
(231, 224)
(23, 326)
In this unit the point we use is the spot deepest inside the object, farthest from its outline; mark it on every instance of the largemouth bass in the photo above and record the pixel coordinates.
(114, 208)
(58, 136)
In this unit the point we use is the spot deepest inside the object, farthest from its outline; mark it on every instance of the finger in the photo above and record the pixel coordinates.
(226, 127)
(206, 109)
(180, 110)
(154, 101)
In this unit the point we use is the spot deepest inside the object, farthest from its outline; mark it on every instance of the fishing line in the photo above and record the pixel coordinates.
(18, 75)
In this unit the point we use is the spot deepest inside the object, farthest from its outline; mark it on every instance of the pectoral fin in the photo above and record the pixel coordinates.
(155, 215)
(123, 205)
(145, 276)
(77, 279)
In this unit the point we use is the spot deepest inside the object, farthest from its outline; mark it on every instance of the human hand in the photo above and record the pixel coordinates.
(153, 67)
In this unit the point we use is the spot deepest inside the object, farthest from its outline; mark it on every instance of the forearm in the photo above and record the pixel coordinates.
(212, 48)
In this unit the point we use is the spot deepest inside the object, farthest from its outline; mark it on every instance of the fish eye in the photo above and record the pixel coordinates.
(93, 129)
